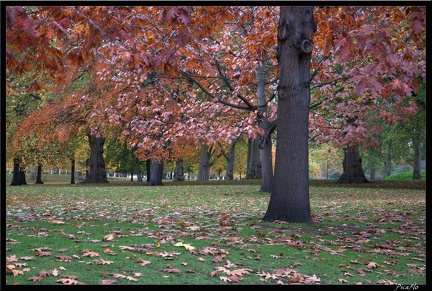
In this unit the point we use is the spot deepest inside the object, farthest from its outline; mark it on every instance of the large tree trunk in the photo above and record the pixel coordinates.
(18, 177)
(96, 162)
(72, 171)
(230, 160)
(289, 200)
(204, 163)
(352, 167)
(253, 170)
(39, 175)
(156, 173)
(416, 170)
(179, 171)
(148, 170)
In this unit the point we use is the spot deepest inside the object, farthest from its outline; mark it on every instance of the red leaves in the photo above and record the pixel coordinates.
(171, 269)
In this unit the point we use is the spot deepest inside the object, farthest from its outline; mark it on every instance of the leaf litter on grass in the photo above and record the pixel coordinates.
(352, 233)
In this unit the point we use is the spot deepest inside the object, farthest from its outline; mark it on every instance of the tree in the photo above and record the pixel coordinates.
(289, 200)
(156, 173)
(146, 76)
(96, 161)
(368, 63)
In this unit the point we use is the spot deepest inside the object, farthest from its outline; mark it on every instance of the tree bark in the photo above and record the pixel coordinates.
(72, 171)
(18, 177)
(388, 160)
(352, 167)
(96, 162)
(253, 170)
(39, 175)
(148, 170)
(267, 163)
(265, 144)
(179, 171)
(156, 173)
(230, 160)
(204, 163)
(139, 174)
(289, 199)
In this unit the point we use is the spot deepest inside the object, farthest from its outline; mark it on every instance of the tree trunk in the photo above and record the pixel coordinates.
(148, 170)
(265, 144)
(139, 174)
(18, 177)
(204, 163)
(352, 167)
(39, 175)
(388, 161)
(230, 160)
(254, 160)
(179, 171)
(267, 165)
(289, 199)
(156, 173)
(72, 171)
(416, 170)
(96, 162)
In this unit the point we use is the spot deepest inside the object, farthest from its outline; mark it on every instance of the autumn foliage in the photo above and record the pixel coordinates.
(171, 75)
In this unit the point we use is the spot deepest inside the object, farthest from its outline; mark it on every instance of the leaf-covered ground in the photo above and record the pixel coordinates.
(211, 235)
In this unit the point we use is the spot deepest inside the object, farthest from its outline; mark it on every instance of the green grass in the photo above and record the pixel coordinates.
(126, 232)
(405, 176)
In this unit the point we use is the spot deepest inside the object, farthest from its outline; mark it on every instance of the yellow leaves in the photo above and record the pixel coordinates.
(108, 237)
(186, 246)
(53, 221)
(150, 35)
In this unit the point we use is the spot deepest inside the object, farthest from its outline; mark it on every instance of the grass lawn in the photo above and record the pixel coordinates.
(211, 234)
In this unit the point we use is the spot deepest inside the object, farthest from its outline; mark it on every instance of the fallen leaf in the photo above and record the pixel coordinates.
(218, 259)
(109, 237)
(235, 278)
(108, 282)
(56, 221)
(372, 265)
(17, 272)
(186, 246)
(44, 274)
(68, 281)
(214, 273)
(64, 258)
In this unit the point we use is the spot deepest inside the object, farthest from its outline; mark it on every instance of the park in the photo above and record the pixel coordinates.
(176, 145)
